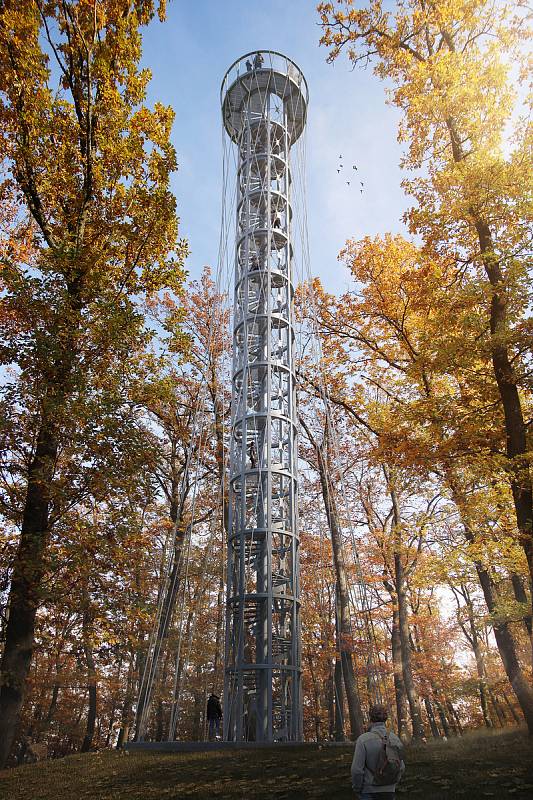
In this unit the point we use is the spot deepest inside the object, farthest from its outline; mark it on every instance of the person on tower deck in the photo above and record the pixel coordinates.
(248, 65)
(377, 764)
(277, 220)
(214, 715)
(258, 61)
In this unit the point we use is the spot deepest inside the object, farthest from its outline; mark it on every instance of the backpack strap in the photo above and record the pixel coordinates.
(384, 740)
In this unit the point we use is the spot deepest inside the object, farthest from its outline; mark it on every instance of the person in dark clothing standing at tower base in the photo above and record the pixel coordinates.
(377, 764)
(214, 715)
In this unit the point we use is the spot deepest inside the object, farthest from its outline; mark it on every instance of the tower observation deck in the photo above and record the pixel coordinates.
(264, 105)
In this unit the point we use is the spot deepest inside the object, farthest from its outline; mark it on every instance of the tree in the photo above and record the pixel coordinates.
(322, 453)
(412, 334)
(87, 165)
(450, 64)
(185, 402)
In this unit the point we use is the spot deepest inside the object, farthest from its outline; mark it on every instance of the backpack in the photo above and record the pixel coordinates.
(389, 763)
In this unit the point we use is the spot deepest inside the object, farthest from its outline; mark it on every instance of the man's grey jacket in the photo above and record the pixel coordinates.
(365, 759)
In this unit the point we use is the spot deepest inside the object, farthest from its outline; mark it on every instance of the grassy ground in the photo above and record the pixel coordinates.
(475, 766)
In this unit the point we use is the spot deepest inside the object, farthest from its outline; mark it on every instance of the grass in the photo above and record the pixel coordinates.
(498, 765)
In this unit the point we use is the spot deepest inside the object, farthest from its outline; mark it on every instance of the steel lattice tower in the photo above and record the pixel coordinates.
(264, 104)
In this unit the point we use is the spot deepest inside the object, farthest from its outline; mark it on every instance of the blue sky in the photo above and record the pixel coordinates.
(189, 55)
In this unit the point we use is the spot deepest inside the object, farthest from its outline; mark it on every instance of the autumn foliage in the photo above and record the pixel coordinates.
(415, 407)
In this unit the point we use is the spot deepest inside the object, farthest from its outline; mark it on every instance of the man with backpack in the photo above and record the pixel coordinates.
(377, 762)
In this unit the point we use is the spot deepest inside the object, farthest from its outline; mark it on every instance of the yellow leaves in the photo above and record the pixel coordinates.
(89, 159)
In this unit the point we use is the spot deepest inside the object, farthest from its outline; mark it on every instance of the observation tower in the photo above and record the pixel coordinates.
(264, 105)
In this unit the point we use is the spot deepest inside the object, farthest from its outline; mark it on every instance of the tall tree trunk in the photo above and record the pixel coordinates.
(88, 650)
(30, 561)
(399, 685)
(25, 594)
(518, 466)
(518, 456)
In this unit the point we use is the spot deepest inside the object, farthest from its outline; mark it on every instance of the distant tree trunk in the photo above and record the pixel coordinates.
(52, 707)
(497, 708)
(454, 718)
(198, 707)
(443, 718)
(180, 667)
(339, 701)
(431, 718)
(88, 650)
(511, 708)
(482, 688)
(160, 710)
(342, 589)
(218, 660)
(115, 703)
(316, 697)
(171, 586)
(111, 722)
(502, 633)
(507, 649)
(521, 595)
(403, 623)
(329, 694)
(125, 715)
(473, 638)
